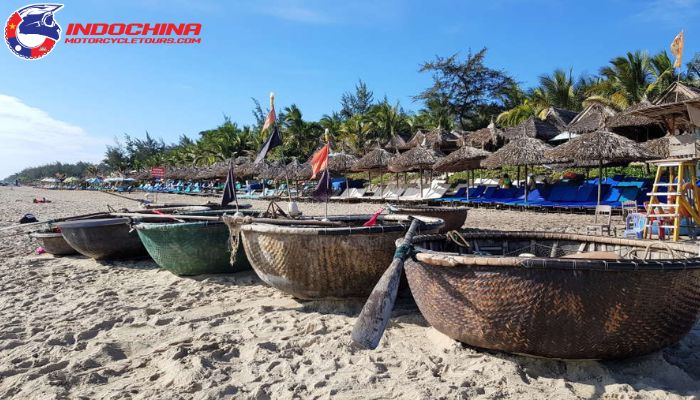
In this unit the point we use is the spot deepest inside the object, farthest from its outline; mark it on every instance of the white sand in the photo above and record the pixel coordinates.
(75, 328)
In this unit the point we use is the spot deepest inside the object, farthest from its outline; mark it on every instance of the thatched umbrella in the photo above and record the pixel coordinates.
(375, 160)
(601, 146)
(524, 151)
(295, 171)
(418, 158)
(464, 158)
(341, 163)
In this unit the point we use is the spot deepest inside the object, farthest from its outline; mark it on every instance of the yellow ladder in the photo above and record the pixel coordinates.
(682, 197)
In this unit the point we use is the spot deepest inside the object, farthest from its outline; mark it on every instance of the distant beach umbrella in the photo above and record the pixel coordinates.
(602, 146)
(464, 158)
(342, 163)
(658, 147)
(524, 151)
(418, 158)
(375, 160)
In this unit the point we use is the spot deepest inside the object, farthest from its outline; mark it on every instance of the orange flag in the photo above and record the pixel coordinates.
(677, 49)
(319, 160)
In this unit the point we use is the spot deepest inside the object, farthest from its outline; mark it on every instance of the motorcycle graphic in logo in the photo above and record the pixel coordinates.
(32, 31)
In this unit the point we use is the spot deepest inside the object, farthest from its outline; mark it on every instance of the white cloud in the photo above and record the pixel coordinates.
(31, 137)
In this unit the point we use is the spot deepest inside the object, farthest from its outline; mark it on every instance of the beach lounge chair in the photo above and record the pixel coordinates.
(411, 193)
(436, 191)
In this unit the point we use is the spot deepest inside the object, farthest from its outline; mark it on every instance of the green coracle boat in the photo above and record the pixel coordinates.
(191, 248)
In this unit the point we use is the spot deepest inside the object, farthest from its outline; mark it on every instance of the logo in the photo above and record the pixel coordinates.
(32, 32)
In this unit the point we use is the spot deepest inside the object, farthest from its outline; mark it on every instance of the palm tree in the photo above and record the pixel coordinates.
(387, 121)
(436, 114)
(558, 89)
(356, 133)
(625, 80)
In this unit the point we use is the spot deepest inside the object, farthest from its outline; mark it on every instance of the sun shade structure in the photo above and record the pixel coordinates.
(518, 152)
(466, 157)
(629, 118)
(375, 160)
(341, 162)
(417, 159)
(602, 146)
(658, 147)
(524, 151)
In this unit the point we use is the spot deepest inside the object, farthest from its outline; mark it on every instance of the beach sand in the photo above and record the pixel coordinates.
(75, 328)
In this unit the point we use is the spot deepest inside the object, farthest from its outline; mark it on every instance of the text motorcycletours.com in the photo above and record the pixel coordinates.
(136, 33)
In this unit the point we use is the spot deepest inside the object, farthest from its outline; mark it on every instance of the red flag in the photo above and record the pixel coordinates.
(373, 221)
(319, 160)
(270, 120)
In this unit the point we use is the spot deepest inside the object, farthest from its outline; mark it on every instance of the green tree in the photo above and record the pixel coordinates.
(474, 91)
(358, 102)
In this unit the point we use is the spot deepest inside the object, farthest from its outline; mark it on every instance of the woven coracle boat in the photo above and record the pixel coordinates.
(104, 238)
(192, 248)
(454, 217)
(556, 295)
(52, 242)
(311, 262)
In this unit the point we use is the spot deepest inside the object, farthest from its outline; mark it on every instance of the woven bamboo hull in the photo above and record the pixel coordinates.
(311, 263)
(103, 239)
(191, 248)
(554, 311)
(53, 243)
(454, 217)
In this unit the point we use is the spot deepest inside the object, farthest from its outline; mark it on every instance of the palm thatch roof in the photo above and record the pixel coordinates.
(397, 142)
(270, 169)
(489, 136)
(602, 146)
(341, 162)
(592, 118)
(466, 157)
(629, 118)
(418, 158)
(658, 147)
(559, 117)
(436, 138)
(520, 151)
(532, 127)
(676, 92)
(295, 171)
(374, 160)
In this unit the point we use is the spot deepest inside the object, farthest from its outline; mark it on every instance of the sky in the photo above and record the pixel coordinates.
(68, 105)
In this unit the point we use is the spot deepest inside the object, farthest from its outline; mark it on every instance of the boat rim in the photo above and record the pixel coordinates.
(450, 260)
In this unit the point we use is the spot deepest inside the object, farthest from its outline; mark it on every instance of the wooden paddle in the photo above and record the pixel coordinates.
(374, 317)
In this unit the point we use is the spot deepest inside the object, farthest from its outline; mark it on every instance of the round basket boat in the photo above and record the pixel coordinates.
(311, 262)
(556, 295)
(104, 238)
(454, 217)
(53, 242)
(192, 248)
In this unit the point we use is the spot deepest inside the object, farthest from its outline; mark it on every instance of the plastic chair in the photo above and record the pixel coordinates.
(634, 225)
(604, 213)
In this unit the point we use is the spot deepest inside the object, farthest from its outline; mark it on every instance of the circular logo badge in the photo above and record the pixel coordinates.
(32, 31)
